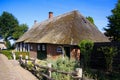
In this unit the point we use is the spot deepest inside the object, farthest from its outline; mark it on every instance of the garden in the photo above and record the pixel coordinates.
(108, 68)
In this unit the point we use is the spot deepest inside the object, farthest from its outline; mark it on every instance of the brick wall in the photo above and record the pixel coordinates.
(75, 53)
(33, 50)
(52, 51)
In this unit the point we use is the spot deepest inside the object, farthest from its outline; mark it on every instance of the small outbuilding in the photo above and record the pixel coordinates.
(2, 45)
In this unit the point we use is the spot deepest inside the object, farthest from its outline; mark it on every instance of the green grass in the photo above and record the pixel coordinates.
(21, 53)
(7, 53)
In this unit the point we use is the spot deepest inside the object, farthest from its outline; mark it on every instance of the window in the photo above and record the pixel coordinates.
(43, 47)
(38, 47)
(59, 49)
(31, 47)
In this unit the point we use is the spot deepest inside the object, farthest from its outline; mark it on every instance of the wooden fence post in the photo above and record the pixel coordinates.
(26, 61)
(49, 70)
(14, 56)
(34, 62)
(79, 73)
(26, 57)
(20, 59)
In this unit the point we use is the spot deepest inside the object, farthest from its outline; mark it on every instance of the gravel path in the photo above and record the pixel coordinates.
(10, 70)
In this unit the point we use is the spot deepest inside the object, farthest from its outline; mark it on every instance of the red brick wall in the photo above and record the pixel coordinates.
(75, 53)
(33, 51)
(52, 51)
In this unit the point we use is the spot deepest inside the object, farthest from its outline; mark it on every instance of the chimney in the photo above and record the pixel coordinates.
(35, 21)
(50, 15)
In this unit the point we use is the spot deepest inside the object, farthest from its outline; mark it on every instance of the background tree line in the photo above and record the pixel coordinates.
(112, 31)
(10, 29)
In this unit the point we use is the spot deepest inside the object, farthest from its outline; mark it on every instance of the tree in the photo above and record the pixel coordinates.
(19, 31)
(8, 44)
(7, 24)
(90, 19)
(10, 28)
(113, 27)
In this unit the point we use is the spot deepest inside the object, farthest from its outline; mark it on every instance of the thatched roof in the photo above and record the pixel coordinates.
(68, 28)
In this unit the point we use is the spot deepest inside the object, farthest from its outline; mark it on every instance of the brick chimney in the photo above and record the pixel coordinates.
(35, 21)
(50, 15)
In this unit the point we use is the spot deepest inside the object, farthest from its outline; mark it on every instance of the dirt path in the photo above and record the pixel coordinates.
(10, 70)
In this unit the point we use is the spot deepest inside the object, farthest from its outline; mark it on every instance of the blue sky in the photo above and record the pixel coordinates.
(26, 11)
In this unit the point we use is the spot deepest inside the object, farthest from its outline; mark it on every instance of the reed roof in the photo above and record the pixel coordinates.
(68, 28)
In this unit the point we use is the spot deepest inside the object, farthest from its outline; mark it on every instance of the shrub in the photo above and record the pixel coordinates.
(86, 47)
(7, 53)
(101, 75)
(65, 65)
(90, 74)
(109, 53)
(21, 53)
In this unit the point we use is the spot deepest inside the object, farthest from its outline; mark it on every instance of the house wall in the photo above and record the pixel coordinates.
(75, 53)
(33, 50)
(17, 47)
(2, 45)
(52, 51)
(22, 47)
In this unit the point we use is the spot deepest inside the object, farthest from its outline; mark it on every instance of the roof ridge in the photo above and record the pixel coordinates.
(56, 17)
(68, 28)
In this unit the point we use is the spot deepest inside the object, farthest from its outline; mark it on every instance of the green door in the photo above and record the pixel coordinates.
(67, 51)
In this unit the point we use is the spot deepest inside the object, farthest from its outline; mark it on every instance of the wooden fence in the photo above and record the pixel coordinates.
(77, 75)
(98, 58)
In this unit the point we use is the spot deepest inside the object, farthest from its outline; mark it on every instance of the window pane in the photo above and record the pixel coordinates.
(59, 49)
(31, 47)
(39, 47)
(43, 47)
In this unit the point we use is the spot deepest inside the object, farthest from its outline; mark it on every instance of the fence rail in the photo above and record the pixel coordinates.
(77, 75)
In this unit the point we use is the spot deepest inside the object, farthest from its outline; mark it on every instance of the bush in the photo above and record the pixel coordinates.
(90, 74)
(101, 75)
(63, 64)
(7, 53)
(21, 53)
(109, 53)
(86, 47)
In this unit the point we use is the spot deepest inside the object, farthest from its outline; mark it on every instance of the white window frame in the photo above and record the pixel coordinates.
(39, 47)
(59, 49)
(43, 47)
(31, 47)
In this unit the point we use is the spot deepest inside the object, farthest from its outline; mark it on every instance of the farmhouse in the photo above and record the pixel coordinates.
(59, 35)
